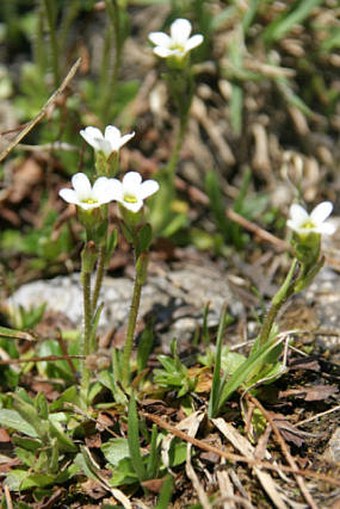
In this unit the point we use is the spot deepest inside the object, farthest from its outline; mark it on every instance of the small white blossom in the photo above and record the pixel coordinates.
(110, 141)
(84, 195)
(179, 43)
(315, 222)
(131, 192)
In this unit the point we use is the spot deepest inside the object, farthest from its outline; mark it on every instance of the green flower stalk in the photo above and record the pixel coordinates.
(263, 361)
(106, 146)
(130, 195)
(175, 49)
(91, 203)
(306, 241)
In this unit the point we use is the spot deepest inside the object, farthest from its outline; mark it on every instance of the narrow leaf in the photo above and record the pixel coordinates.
(243, 372)
(133, 440)
(16, 334)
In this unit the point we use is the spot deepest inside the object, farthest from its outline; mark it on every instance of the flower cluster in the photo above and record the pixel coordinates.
(179, 43)
(130, 193)
(84, 195)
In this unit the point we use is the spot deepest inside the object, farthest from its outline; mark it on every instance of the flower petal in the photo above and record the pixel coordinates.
(162, 52)
(69, 195)
(82, 186)
(297, 214)
(148, 188)
(132, 181)
(112, 132)
(133, 207)
(112, 136)
(92, 135)
(193, 42)
(160, 39)
(116, 188)
(328, 228)
(321, 212)
(127, 137)
(106, 147)
(180, 30)
(102, 191)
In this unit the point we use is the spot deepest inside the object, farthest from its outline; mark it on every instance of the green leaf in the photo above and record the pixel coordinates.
(41, 406)
(175, 223)
(145, 346)
(124, 473)
(145, 237)
(213, 190)
(153, 459)
(231, 361)
(165, 494)
(133, 440)
(65, 443)
(16, 334)
(16, 478)
(177, 453)
(13, 420)
(111, 244)
(244, 371)
(115, 450)
(27, 443)
(216, 382)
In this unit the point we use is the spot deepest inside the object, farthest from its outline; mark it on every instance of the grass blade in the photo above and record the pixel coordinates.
(216, 382)
(284, 23)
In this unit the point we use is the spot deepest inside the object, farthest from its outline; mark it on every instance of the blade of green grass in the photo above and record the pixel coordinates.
(284, 23)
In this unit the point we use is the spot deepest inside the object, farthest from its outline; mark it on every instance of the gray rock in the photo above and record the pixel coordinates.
(176, 299)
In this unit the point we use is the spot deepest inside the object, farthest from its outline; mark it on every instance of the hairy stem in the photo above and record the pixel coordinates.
(86, 338)
(99, 277)
(279, 299)
(137, 290)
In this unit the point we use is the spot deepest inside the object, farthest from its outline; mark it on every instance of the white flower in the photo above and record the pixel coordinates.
(84, 195)
(110, 141)
(179, 43)
(315, 222)
(131, 192)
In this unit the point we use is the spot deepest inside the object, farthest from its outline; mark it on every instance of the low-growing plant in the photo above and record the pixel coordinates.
(51, 433)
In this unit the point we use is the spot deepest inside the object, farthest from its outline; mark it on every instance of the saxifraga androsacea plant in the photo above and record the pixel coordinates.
(92, 209)
(263, 360)
(175, 50)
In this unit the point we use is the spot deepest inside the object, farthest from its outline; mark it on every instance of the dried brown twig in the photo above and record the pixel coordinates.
(236, 458)
(29, 126)
(285, 451)
(46, 358)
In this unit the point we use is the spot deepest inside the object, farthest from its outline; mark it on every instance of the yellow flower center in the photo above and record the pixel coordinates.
(178, 47)
(130, 198)
(308, 225)
(89, 201)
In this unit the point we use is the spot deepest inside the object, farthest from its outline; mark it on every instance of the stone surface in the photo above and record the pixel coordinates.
(175, 299)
